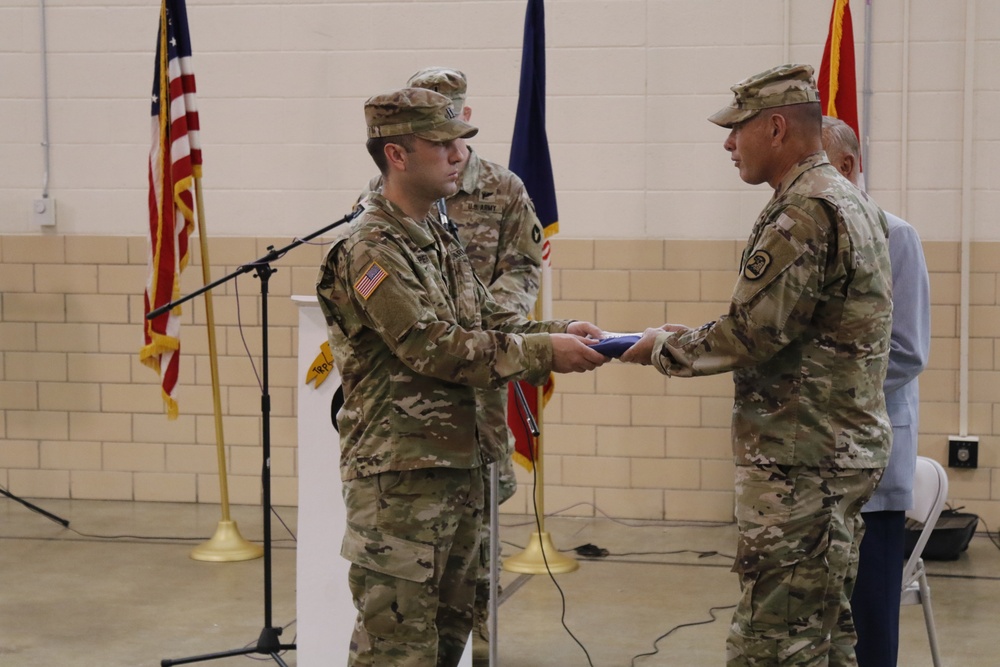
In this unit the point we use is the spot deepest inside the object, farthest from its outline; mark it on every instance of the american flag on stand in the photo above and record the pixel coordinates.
(174, 163)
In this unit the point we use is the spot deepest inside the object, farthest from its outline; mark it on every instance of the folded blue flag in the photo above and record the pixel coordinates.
(614, 345)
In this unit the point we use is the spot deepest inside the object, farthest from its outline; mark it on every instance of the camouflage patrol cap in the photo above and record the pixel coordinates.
(777, 87)
(416, 111)
(449, 82)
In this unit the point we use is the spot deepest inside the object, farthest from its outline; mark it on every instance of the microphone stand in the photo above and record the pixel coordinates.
(268, 643)
(34, 508)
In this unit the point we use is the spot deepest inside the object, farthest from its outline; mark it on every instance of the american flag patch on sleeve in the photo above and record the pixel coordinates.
(373, 277)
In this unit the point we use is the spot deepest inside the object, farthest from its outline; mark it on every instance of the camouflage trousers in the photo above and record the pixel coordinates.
(413, 541)
(797, 557)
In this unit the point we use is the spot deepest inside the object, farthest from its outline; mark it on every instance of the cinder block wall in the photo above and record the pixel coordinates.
(80, 417)
(652, 217)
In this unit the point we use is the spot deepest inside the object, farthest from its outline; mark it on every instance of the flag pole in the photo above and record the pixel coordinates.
(541, 555)
(227, 544)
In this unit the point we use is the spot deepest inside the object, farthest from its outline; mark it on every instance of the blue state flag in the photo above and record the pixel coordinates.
(529, 151)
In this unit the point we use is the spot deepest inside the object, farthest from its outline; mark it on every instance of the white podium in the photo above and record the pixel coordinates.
(324, 608)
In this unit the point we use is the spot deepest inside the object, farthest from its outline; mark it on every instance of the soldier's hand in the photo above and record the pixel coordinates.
(642, 352)
(572, 354)
(586, 329)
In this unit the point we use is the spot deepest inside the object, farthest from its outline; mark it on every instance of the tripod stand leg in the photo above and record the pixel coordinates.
(166, 662)
(267, 644)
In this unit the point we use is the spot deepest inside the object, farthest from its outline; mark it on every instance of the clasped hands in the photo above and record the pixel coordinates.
(572, 353)
(642, 352)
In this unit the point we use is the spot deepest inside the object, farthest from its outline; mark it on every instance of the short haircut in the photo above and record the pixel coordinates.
(840, 136)
(376, 148)
(807, 116)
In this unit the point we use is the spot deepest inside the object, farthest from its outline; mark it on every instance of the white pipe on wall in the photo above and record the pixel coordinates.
(866, 97)
(967, 220)
(904, 115)
(45, 100)
(786, 46)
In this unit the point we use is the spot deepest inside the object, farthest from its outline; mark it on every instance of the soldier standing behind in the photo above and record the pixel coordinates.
(418, 339)
(502, 236)
(807, 340)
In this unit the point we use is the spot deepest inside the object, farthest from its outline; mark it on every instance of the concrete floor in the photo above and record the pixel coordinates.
(69, 600)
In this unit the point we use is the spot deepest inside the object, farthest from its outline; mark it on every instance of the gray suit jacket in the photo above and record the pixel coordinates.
(910, 347)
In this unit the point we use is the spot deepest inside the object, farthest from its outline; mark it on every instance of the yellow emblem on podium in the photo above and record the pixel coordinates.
(321, 366)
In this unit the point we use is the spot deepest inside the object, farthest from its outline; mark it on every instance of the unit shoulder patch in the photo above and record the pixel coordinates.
(757, 265)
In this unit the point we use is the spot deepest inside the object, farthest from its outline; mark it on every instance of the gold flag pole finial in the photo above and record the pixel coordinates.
(541, 555)
(226, 545)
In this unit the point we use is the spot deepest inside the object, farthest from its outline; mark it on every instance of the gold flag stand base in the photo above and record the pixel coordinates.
(533, 561)
(227, 545)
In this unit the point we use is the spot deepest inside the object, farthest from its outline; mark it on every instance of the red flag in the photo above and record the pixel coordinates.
(838, 87)
(174, 163)
(525, 444)
(529, 159)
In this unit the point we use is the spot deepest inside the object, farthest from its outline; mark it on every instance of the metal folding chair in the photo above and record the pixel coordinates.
(930, 490)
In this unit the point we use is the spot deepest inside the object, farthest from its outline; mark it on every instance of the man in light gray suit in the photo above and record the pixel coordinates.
(875, 602)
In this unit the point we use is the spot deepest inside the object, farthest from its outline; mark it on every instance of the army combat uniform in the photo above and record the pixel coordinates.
(419, 342)
(807, 340)
(502, 238)
(496, 223)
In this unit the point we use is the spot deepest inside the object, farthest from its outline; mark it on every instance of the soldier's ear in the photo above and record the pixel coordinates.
(395, 156)
(778, 126)
(847, 165)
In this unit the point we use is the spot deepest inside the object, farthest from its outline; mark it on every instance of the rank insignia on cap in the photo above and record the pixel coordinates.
(756, 265)
(373, 278)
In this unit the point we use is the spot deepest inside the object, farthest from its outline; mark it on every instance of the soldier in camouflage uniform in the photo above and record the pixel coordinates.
(419, 340)
(502, 236)
(807, 340)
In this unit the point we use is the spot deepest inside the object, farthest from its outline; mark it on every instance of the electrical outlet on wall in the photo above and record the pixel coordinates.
(963, 451)
(43, 212)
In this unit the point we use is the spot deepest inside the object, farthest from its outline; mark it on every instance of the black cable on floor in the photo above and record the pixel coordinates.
(656, 649)
(538, 526)
(994, 540)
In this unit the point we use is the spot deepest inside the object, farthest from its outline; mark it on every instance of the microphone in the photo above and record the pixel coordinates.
(446, 221)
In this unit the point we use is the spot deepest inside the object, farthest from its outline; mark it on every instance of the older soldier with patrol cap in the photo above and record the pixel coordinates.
(418, 341)
(807, 339)
(496, 223)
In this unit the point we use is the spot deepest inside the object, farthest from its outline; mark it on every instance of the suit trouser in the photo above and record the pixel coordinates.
(875, 602)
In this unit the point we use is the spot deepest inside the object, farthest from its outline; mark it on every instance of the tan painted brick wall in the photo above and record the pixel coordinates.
(80, 417)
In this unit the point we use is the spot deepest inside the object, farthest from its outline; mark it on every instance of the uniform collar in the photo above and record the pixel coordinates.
(417, 231)
(805, 164)
(469, 180)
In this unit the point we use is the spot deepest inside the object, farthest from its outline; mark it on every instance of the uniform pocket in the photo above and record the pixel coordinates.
(385, 554)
